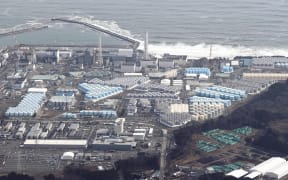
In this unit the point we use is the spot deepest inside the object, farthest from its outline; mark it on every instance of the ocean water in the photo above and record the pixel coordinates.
(246, 27)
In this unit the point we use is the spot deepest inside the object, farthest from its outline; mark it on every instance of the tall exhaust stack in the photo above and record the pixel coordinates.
(100, 55)
(146, 46)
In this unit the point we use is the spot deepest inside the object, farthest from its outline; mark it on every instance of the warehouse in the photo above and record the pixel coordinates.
(68, 156)
(238, 173)
(267, 166)
(278, 172)
(113, 144)
(56, 143)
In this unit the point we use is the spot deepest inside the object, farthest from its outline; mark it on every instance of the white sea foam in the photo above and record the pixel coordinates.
(111, 25)
(203, 50)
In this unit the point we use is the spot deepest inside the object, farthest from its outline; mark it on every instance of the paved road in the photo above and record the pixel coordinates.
(163, 154)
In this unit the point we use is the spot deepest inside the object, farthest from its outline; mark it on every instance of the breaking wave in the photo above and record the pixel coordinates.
(203, 50)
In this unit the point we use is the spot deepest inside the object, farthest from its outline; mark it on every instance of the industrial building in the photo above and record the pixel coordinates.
(139, 136)
(8, 126)
(53, 77)
(19, 84)
(97, 92)
(278, 172)
(178, 82)
(56, 143)
(238, 173)
(131, 107)
(74, 127)
(110, 144)
(61, 127)
(273, 168)
(21, 131)
(166, 82)
(68, 156)
(102, 132)
(119, 126)
(266, 166)
(175, 119)
(34, 132)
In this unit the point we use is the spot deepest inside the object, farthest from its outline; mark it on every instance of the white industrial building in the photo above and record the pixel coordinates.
(8, 126)
(139, 136)
(273, 168)
(140, 131)
(119, 126)
(150, 132)
(278, 172)
(238, 173)
(177, 82)
(166, 82)
(56, 143)
(117, 144)
(37, 90)
(266, 166)
(69, 156)
(34, 132)
(74, 126)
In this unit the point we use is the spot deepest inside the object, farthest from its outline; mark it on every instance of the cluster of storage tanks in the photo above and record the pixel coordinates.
(201, 112)
(96, 92)
(152, 95)
(69, 116)
(227, 69)
(127, 82)
(204, 100)
(102, 113)
(282, 65)
(28, 107)
(197, 71)
(219, 92)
